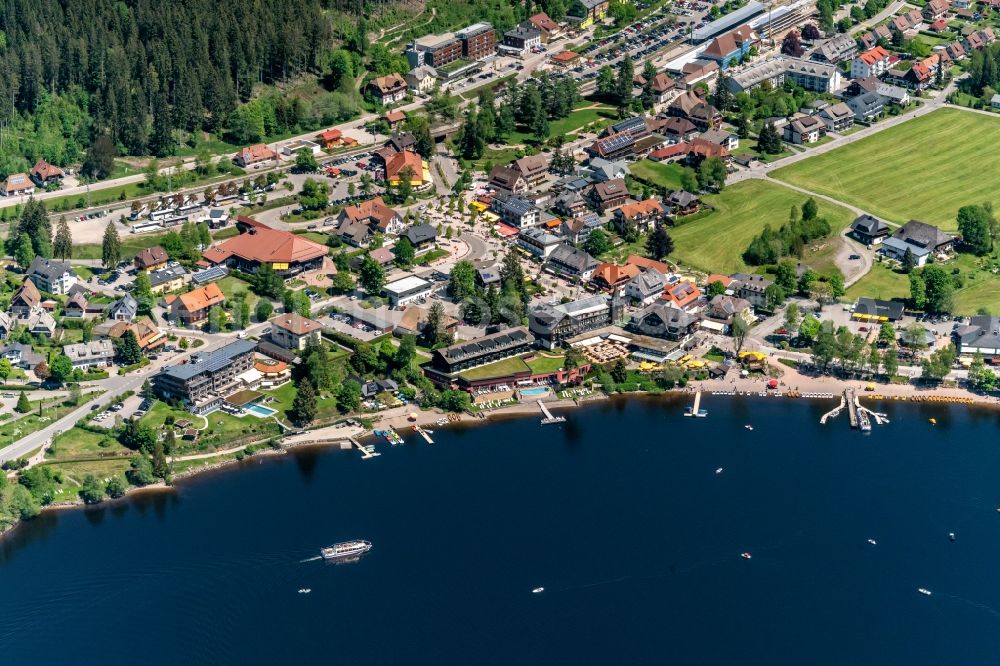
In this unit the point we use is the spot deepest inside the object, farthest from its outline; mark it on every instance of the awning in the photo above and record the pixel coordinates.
(716, 326)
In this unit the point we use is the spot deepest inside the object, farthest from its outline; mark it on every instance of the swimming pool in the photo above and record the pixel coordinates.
(532, 392)
(260, 411)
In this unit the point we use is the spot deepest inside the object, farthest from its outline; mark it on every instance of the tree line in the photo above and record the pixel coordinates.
(790, 239)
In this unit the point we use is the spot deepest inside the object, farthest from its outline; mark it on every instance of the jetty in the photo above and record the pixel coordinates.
(695, 410)
(423, 433)
(366, 451)
(548, 415)
(860, 417)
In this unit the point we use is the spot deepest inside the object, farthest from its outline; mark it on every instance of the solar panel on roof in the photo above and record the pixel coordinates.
(210, 274)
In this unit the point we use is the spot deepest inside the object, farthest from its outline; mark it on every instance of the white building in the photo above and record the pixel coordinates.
(407, 290)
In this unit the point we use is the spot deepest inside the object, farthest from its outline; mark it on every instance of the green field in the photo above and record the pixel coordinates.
(542, 364)
(715, 243)
(660, 174)
(580, 117)
(502, 368)
(911, 171)
(882, 283)
(131, 245)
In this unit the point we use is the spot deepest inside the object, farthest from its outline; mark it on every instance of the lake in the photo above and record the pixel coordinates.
(618, 513)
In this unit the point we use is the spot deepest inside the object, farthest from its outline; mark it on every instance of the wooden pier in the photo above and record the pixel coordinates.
(423, 433)
(696, 410)
(548, 415)
(852, 406)
(366, 451)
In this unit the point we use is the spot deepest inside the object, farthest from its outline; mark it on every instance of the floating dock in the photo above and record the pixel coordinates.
(366, 451)
(548, 415)
(861, 417)
(852, 407)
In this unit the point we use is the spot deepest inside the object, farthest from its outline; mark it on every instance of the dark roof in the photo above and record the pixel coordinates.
(169, 273)
(982, 331)
(421, 233)
(462, 351)
(874, 307)
(569, 256)
(210, 361)
(50, 268)
(922, 234)
(869, 225)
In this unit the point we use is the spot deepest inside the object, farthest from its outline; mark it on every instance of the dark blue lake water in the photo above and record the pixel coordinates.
(618, 513)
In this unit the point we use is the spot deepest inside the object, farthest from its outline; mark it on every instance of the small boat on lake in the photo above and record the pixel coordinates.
(538, 590)
(745, 556)
(305, 590)
(933, 421)
(924, 590)
(872, 542)
(748, 427)
(718, 471)
(951, 536)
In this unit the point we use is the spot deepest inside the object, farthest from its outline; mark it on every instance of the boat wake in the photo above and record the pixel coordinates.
(989, 609)
(311, 559)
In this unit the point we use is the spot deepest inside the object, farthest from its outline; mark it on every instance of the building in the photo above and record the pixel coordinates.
(554, 324)
(869, 230)
(533, 168)
(373, 214)
(76, 306)
(873, 62)
(410, 289)
(806, 129)
(26, 300)
(293, 331)
(507, 180)
(44, 174)
(643, 214)
(920, 238)
(548, 28)
(839, 47)
(516, 211)
(578, 229)
(192, 308)
(422, 79)
(595, 11)
(693, 106)
(421, 236)
(866, 107)
(836, 117)
(434, 50)
(489, 348)
(570, 261)
(258, 244)
(682, 295)
(609, 195)
(936, 9)
(253, 155)
(202, 383)
(564, 58)
(980, 336)
(21, 355)
(612, 278)
(678, 130)
(479, 41)
(873, 309)
(168, 279)
(726, 309)
(151, 259)
(124, 309)
(682, 202)
(538, 242)
(646, 287)
(719, 137)
(752, 288)
(93, 354)
(17, 184)
(731, 46)
(49, 275)
(661, 320)
(613, 147)
(602, 170)
(811, 75)
(330, 138)
(388, 89)
(520, 41)
(419, 174)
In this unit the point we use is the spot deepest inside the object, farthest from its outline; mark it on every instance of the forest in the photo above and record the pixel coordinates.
(142, 71)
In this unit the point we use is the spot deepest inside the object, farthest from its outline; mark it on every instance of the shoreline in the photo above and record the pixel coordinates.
(805, 386)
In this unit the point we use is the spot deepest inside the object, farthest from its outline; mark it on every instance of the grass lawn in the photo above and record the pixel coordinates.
(544, 363)
(77, 471)
(231, 285)
(658, 173)
(29, 423)
(881, 282)
(132, 244)
(919, 169)
(314, 236)
(577, 119)
(78, 442)
(222, 428)
(714, 243)
(499, 369)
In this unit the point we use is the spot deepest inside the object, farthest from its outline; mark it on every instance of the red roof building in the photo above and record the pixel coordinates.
(330, 138)
(682, 294)
(259, 244)
(254, 154)
(43, 173)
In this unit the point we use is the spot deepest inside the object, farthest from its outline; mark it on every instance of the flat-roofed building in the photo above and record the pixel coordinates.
(479, 41)
(486, 349)
(407, 290)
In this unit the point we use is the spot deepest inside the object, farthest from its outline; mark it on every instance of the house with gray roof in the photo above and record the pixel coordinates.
(646, 287)
(96, 353)
(21, 355)
(203, 382)
(124, 309)
(49, 275)
(553, 324)
(572, 262)
(603, 170)
(981, 335)
(869, 230)
(920, 238)
(422, 236)
(516, 211)
(538, 242)
(661, 320)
